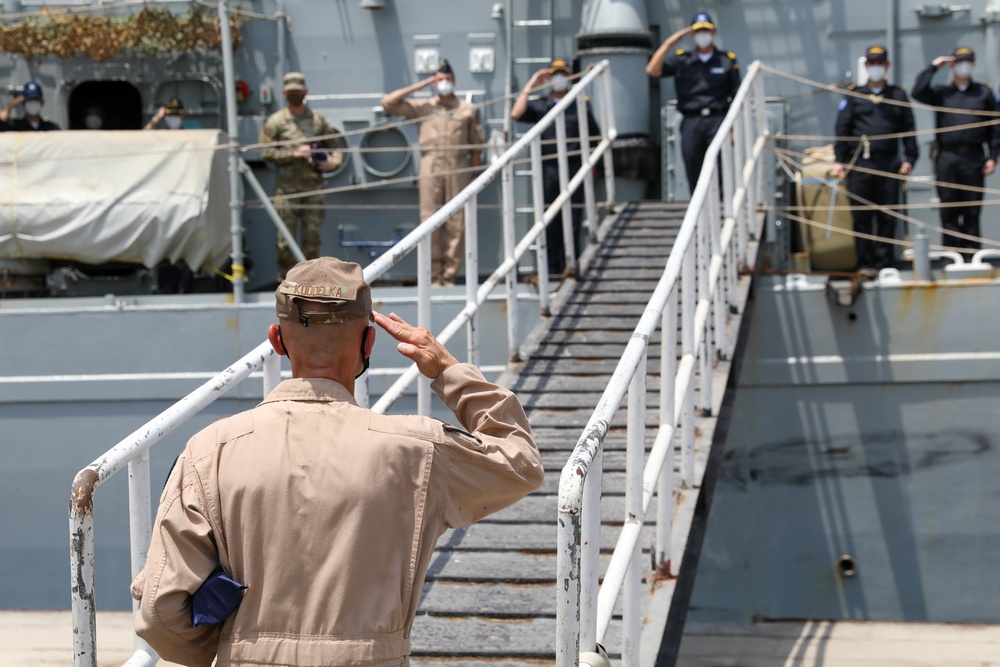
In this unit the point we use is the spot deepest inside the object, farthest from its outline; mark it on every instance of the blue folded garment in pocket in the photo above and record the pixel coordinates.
(216, 599)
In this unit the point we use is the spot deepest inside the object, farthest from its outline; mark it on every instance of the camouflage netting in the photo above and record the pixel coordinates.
(152, 31)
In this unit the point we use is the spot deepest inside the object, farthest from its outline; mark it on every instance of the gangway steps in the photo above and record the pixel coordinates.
(490, 592)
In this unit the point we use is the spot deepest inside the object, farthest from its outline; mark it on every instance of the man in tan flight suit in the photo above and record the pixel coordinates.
(327, 512)
(299, 167)
(450, 135)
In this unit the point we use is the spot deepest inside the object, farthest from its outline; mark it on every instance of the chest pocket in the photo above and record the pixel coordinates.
(444, 128)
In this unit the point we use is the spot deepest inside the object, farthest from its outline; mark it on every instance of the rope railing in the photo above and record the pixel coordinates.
(893, 211)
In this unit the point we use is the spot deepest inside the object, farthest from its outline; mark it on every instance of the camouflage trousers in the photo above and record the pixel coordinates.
(305, 224)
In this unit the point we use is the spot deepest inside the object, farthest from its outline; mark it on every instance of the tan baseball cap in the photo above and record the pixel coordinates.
(323, 291)
(295, 81)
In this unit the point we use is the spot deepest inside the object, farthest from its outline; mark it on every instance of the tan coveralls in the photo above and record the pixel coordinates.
(329, 514)
(445, 124)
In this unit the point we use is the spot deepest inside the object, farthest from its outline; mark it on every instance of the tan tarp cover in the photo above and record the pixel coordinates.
(104, 196)
(828, 249)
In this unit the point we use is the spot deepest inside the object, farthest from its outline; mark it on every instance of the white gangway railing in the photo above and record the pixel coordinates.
(702, 271)
(133, 451)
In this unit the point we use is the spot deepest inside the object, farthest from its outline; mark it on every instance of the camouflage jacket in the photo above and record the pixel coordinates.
(295, 174)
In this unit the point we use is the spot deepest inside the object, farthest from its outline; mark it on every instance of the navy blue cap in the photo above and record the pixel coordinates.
(877, 53)
(445, 68)
(702, 21)
(32, 91)
(964, 53)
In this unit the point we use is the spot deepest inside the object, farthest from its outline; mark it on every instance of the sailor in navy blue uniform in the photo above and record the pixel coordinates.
(865, 115)
(526, 110)
(966, 156)
(31, 99)
(706, 80)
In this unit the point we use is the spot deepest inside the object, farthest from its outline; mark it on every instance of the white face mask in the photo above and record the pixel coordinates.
(173, 122)
(93, 122)
(964, 69)
(876, 73)
(703, 39)
(32, 107)
(445, 87)
(560, 83)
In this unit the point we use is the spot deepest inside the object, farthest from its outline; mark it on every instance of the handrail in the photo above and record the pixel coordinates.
(709, 249)
(134, 450)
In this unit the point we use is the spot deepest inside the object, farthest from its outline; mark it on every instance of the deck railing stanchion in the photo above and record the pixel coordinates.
(541, 241)
(568, 233)
(610, 132)
(634, 514)
(424, 316)
(590, 207)
(687, 341)
(705, 350)
(472, 278)
(510, 280)
(590, 554)
(665, 486)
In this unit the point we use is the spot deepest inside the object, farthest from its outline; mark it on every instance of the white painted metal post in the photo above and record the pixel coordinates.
(610, 131)
(424, 316)
(567, 591)
(759, 100)
(510, 280)
(472, 277)
(82, 574)
(668, 375)
(588, 181)
(687, 343)
(590, 554)
(140, 519)
(728, 178)
(687, 436)
(569, 235)
(541, 242)
(636, 453)
(704, 295)
(740, 153)
(749, 134)
(718, 291)
(232, 129)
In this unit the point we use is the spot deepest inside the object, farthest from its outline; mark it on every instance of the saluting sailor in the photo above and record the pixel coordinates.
(706, 82)
(450, 134)
(867, 115)
(965, 156)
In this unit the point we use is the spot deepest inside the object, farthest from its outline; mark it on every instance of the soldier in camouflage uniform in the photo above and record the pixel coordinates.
(300, 168)
(448, 126)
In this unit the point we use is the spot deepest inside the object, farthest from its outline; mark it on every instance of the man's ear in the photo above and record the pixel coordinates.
(274, 335)
(370, 341)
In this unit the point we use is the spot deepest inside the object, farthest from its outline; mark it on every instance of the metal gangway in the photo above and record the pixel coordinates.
(700, 287)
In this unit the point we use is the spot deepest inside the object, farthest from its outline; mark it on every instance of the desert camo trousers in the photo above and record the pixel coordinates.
(305, 224)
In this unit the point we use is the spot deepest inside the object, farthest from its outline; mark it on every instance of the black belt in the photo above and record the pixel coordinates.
(706, 111)
(965, 149)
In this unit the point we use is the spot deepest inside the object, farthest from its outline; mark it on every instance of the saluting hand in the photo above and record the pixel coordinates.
(418, 345)
(942, 60)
